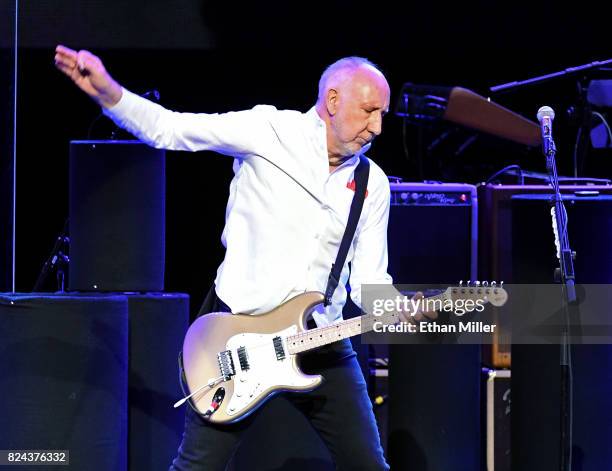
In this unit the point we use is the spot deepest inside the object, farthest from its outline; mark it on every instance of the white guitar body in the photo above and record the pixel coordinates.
(260, 371)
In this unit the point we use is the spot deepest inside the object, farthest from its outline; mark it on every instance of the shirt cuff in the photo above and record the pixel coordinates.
(120, 108)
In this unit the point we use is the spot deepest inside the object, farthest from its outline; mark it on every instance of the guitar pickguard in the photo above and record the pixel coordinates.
(262, 369)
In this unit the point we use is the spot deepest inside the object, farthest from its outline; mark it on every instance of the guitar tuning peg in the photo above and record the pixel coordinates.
(469, 282)
(460, 283)
(501, 284)
(477, 283)
(494, 284)
(485, 283)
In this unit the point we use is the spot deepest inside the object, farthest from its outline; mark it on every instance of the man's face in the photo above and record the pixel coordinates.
(357, 109)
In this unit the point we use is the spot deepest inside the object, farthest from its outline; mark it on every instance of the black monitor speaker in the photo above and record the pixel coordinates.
(117, 216)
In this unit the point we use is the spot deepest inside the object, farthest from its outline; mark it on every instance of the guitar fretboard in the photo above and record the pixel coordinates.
(321, 336)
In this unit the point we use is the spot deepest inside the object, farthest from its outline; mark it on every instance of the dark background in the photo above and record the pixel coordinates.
(214, 57)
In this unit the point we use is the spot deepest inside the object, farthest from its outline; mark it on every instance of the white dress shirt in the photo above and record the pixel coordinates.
(286, 212)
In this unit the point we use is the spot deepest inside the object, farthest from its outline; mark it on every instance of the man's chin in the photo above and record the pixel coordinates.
(362, 148)
(355, 148)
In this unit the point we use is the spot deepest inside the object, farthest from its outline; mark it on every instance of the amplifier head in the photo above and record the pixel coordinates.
(433, 233)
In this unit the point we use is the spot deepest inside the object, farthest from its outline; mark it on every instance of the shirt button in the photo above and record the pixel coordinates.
(316, 236)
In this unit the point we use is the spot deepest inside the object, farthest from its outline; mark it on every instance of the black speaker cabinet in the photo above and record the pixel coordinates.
(536, 379)
(434, 407)
(502, 249)
(590, 235)
(434, 390)
(498, 248)
(63, 377)
(536, 374)
(117, 191)
(158, 323)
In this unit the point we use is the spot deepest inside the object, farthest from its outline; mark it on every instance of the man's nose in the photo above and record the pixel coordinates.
(375, 124)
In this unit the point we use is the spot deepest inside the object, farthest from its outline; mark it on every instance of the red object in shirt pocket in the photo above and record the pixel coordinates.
(351, 186)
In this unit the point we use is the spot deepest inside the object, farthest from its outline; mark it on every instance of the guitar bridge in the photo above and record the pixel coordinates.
(226, 364)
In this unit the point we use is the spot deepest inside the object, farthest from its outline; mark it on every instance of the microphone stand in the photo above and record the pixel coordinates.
(566, 276)
(542, 78)
(57, 259)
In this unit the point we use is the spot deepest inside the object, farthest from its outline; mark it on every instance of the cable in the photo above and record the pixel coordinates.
(605, 123)
(91, 126)
(576, 144)
(504, 170)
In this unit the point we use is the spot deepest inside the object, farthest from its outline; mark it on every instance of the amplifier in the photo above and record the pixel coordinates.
(497, 404)
(433, 239)
(433, 233)
(509, 251)
(496, 245)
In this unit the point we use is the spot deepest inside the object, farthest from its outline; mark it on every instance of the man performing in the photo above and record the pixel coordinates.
(288, 207)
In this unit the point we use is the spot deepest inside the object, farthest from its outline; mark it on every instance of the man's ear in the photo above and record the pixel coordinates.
(331, 101)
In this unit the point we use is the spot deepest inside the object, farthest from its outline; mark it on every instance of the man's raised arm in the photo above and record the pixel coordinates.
(238, 134)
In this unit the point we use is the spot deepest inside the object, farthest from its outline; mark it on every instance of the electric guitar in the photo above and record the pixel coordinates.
(232, 363)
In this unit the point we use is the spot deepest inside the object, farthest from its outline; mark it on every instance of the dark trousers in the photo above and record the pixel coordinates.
(339, 410)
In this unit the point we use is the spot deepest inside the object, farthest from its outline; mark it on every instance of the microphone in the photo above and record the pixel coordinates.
(545, 117)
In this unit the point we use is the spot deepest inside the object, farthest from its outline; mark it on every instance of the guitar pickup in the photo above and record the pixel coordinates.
(278, 348)
(226, 364)
(243, 358)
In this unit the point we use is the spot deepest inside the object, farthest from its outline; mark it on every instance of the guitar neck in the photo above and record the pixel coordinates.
(320, 336)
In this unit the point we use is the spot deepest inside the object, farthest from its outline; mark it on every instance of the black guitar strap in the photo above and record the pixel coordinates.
(362, 173)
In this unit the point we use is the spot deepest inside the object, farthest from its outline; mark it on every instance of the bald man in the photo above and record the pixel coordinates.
(287, 210)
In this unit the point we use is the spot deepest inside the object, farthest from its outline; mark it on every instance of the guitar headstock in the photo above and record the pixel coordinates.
(493, 292)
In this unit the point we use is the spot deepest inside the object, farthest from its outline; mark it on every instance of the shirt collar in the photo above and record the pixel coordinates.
(319, 125)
